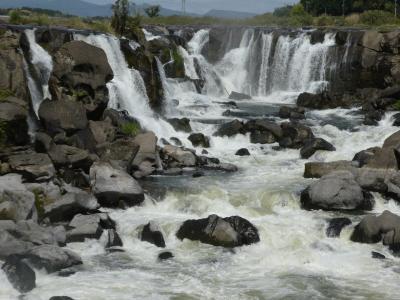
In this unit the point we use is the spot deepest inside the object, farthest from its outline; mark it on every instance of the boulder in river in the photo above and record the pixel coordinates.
(239, 96)
(19, 273)
(373, 229)
(319, 169)
(295, 135)
(262, 137)
(214, 230)
(336, 225)
(230, 129)
(84, 227)
(152, 233)
(113, 187)
(242, 152)
(199, 140)
(313, 145)
(181, 124)
(336, 191)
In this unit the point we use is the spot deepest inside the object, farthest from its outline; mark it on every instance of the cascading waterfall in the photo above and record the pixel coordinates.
(42, 63)
(127, 89)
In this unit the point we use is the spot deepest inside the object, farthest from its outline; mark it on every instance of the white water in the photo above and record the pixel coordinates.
(294, 260)
(43, 65)
(127, 90)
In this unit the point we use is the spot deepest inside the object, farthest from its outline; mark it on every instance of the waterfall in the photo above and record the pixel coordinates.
(127, 89)
(265, 58)
(42, 64)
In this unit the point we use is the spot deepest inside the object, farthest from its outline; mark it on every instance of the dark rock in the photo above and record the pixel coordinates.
(62, 115)
(113, 239)
(336, 225)
(239, 96)
(396, 121)
(181, 124)
(198, 174)
(295, 113)
(19, 274)
(151, 233)
(70, 204)
(61, 298)
(336, 191)
(199, 140)
(52, 258)
(33, 166)
(224, 167)
(43, 142)
(314, 145)
(363, 157)
(315, 101)
(68, 156)
(113, 187)
(295, 135)
(377, 255)
(226, 232)
(165, 255)
(264, 126)
(262, 137)
(14, 121)
(230, 129)
(242, 152)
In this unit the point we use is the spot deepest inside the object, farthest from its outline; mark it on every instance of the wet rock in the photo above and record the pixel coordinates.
(146, 159)
(52, 258)
(224, 167)
(264, 126)
(113, 239)
(43, 142)
(152, 233)
(68, 156)
(9, 245)
(62, 115)
(336, 191)
(199, 140)
(230, 129)
(113, 187)
(315, 145)
(69, 205)
(14, 121)
(239, 96)
(178, 157)
(319, 169)
(295, 113)
(16, 201)
(262, 137)
(198, 174)
(19, 274)
(165, 255)
(214, 230)
(396, 119)
(336, 225)
(316, 101)
(242, 152)
(377, 255)
(84, 227)
(295, 135)
(123, 150)
(61, 298)
(372, 118)
(363, 157)
(181, 124)
(33, 166)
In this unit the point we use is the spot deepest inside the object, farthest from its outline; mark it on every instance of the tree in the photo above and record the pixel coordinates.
(120, 16)
(283, 11)
(153, 11)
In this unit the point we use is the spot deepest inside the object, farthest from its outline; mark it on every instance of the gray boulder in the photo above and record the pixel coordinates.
(68, 156)
(52, 258)
(146, 159)
(199, 140)
(230, 129)
(181, 124)
(239, 96)
(113, 187)
(178, 157)
(373, 229)
(14, 121)
(313, 145)
(33, 166)
(214, 230)
(336, 191)
(319, 169)
(69, 205)
(19, 274)
(295, 135)
(84, 227)
(152, 233)
(9, 245)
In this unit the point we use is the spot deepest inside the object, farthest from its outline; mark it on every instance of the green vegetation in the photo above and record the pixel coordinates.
(153, 11)
(5, 93)
(396, 106)
(41, 201)
(179, 63)
(130, 129)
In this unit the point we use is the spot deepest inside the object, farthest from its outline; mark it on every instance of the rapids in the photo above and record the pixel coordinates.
(295, 259)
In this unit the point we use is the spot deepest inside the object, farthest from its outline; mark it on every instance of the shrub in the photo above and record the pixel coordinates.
(396, 105)
(130, 128)
(352, 20)
(15, 17)
(324, 21)
(377, 18)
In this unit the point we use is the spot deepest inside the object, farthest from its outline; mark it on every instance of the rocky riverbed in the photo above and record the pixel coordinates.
(199, 163)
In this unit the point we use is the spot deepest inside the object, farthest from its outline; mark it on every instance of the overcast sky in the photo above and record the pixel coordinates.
(202, 6)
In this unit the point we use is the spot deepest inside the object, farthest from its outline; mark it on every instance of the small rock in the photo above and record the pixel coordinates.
(377, 255)
(243, 152)
(165, 255)
(113, 239)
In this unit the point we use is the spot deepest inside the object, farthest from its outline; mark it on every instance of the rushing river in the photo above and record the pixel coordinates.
(294, 259)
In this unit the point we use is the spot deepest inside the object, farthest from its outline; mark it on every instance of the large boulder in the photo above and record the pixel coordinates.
(52, 258)
(83, 71)
(32, 166)
(178, 157)
(68, 156)
(314, 145)
(181, 124)
(69, 205)
(19, 274)
(316, 101)
(13, 121)
(373, 229)
(16, 201)
(31, 232)
(10, 245)
(113, 187)
(264, 126)
(295, 135)
(262, 137)
(84, 227)
(145, 161)
(62, 115)
(230, 129)
(199, 140)
(214, 230)
(319, 169)
(336, 191)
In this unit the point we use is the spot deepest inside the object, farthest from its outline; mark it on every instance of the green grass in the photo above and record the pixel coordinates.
(130, 129)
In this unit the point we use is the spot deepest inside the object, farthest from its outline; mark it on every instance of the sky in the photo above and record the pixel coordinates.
(203, 6)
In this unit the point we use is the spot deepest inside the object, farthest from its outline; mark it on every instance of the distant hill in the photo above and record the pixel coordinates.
(228, 14)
